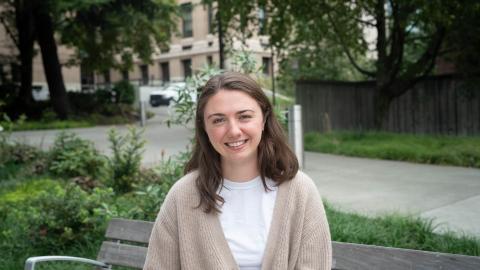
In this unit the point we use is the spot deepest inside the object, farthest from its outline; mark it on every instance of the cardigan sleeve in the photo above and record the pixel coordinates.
(163, 246)
(316, 245)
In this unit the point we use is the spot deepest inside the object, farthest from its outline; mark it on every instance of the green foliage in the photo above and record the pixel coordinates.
(125, 163)
(109, 34)
(185, 107)
(397, 231)
(124, 92)
(72, 156)
(244, 61)
(51, 218)
(457, 151)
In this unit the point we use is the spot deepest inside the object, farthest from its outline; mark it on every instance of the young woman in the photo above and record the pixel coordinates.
(242, 204)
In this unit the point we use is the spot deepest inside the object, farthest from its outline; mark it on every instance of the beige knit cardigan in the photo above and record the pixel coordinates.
(184, 237)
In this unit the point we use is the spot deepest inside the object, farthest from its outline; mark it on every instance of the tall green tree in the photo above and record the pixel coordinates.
(403, 38)
(104, 33)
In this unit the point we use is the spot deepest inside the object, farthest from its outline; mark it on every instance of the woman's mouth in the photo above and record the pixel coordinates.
(236, 144)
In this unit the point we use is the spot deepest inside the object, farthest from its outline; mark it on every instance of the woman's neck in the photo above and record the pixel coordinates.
(240, 172)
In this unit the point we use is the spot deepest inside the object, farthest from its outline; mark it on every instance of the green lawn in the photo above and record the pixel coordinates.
(445, 150)
(397, 231)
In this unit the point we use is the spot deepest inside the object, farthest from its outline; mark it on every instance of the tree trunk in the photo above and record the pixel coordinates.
(51, 62)
(26, 38)
(382, 101)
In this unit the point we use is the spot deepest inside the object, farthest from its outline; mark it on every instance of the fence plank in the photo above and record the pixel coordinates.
(433, 106)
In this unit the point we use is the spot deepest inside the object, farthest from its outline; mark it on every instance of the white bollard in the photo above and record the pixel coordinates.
(143, 115)
(143, 95)
(295, 132)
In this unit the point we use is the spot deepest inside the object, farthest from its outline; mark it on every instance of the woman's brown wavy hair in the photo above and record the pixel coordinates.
(275, 158)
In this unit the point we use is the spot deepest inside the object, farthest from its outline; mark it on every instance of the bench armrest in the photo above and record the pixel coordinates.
(30, 262)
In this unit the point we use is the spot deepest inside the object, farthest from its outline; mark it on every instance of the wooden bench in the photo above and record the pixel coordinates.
(127, 240)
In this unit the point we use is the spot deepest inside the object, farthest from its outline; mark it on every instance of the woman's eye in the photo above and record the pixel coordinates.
(217, 120)
(245, 117)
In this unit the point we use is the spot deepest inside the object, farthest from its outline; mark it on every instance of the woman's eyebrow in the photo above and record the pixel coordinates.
(215, 114)
(221, 114)
(244, 111)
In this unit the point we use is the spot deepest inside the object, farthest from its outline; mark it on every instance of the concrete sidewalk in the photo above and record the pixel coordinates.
(450, 195)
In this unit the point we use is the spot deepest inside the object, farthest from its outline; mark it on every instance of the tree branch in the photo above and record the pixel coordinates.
(9, 31)
(347, 52)
(424, 65)
(369, 23)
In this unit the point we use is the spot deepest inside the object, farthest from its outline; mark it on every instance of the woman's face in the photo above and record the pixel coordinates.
(234, 124)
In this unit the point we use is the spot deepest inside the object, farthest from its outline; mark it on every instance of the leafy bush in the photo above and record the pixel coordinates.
(125, 163)
(124, 92)
(103, 96)
(72, 156)
(83, 102)
(52, 218)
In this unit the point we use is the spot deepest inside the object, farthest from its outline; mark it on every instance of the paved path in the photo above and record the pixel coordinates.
(160, 139)
(451, 195)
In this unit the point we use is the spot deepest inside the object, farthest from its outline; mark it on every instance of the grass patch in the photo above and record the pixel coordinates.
(443, 150)
(54, 124)
(91, 121)
(397, 231)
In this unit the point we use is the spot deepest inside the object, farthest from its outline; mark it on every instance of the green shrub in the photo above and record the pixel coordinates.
(125, 162)
(124, 92)
(103, 96)
(72, 156)
(28, 190)
(52, 218)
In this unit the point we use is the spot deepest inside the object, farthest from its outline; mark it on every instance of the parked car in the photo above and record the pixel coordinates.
(168, 95)
(40, 92)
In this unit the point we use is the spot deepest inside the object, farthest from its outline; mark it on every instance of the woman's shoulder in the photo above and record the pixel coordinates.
(185, 185)
(302, 179)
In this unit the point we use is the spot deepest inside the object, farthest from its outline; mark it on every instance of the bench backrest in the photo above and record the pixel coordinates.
(128, 239)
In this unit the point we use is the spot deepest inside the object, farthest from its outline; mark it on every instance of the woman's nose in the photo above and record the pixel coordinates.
(234, 129)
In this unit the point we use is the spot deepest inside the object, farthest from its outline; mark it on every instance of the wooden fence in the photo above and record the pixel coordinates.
(438, 105)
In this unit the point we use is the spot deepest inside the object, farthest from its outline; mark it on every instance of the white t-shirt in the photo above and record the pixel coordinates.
(245, 219)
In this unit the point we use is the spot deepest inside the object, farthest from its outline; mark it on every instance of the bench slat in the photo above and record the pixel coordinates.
(359, 257)
(122, 255)
(129, 230)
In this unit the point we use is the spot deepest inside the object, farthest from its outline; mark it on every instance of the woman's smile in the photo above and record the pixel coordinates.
(236, 144)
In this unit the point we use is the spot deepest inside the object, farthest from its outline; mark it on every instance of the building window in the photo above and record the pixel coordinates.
(144, 74)
(210, 18)
(262, 21)
(266, 65)
(210, 60)
(186, 47)
(125, 74)
(87, 78)
(106, 77)
(187, 29)
(187, 68)
(165, 70)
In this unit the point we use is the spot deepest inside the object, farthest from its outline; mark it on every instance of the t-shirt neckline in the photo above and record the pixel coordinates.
(242, 185)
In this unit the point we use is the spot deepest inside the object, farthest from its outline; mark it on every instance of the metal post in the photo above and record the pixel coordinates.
(142, 96)
(295, 132)
(143, 116)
